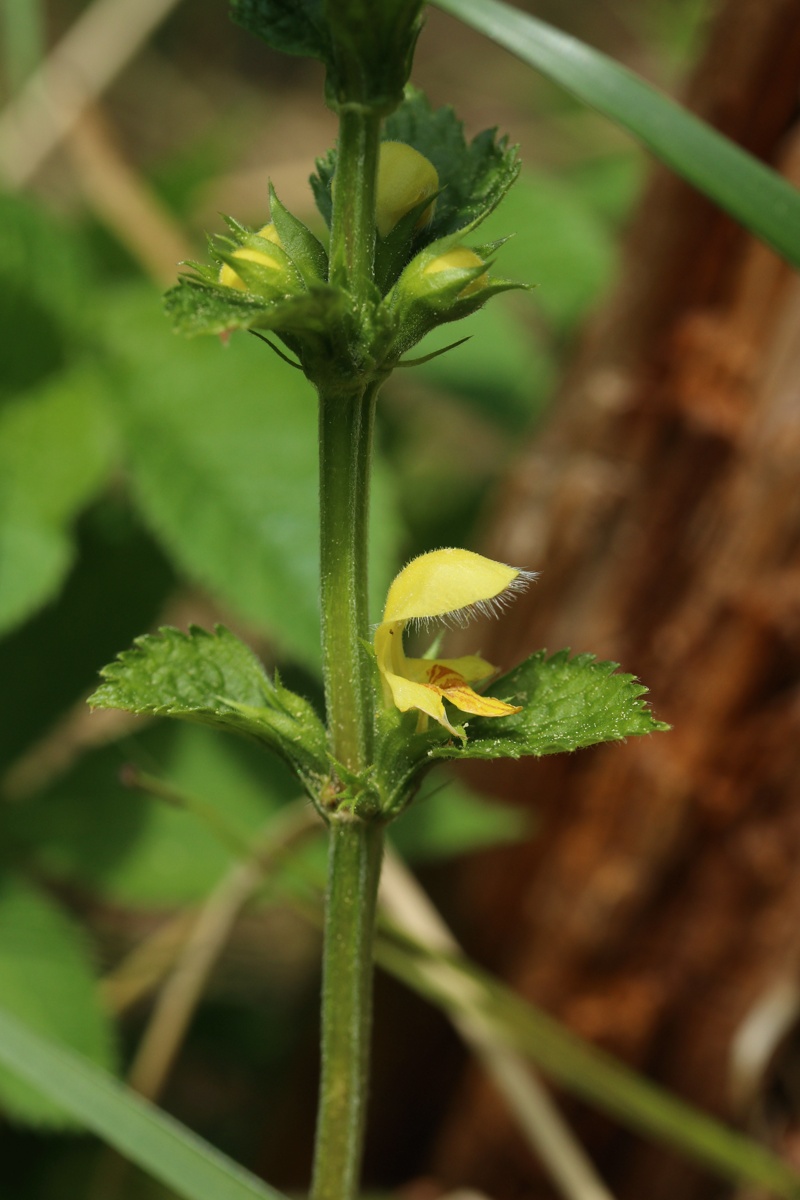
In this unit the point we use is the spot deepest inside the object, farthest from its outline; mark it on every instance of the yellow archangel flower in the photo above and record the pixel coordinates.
(449, 584)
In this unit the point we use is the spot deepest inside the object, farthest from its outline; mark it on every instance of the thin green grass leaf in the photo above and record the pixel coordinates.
(144, 1134)
(757, 197)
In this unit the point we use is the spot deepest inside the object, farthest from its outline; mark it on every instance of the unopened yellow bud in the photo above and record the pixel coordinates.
(460, 257)
(227, 275)
(405, 179)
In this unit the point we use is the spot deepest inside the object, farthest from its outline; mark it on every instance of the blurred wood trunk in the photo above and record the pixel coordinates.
(660, 903)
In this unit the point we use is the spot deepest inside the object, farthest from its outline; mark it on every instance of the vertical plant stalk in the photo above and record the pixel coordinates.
(345, 437)
(347, 410)
(354, 869)
(352, 249)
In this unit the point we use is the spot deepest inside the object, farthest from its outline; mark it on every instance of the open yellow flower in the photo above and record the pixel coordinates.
(449, 584)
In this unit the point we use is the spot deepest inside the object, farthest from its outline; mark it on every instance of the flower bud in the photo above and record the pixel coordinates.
(438, 285)
(405, 179)
(227, 275)
(459, 258)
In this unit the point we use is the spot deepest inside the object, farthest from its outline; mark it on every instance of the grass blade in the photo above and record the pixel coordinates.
(756, 196)
(144, 1134)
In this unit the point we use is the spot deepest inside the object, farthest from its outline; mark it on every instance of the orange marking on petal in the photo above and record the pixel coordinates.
(442, 677)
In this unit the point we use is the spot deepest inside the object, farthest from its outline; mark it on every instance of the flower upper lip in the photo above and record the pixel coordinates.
(443, 584)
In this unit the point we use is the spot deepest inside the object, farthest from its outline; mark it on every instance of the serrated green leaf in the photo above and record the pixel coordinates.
(291, 26)
(196, 306)
(56, 450)
(474, 176)
(216, 680)
(759, 198)
(223, 451)
(46, 976)
(567, 703)
(140, 1131)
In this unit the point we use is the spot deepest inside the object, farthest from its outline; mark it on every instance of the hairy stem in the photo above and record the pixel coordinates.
(347, 412)
(352, 249)
(353, 872)
(346, 424)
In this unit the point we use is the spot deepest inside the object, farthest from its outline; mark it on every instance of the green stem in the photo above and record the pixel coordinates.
(345, 430)
(353, 873)
(347, 413)
(352, 249)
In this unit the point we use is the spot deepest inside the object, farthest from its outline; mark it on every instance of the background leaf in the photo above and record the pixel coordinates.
(43, 488)
(759, 198)
(91, 831)
(46, 976)
(115, 590)
(43, 288)
(222, 444)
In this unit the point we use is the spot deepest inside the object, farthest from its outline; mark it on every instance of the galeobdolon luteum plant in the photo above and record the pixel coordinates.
(402, 195)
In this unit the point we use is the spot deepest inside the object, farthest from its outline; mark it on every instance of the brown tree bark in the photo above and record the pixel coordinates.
(660, 902)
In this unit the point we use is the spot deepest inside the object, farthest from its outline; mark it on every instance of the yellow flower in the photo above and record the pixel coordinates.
(405, 179)
(227, 275)
(450, 584)
(459, 258)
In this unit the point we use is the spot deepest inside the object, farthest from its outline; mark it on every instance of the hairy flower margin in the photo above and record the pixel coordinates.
(449, 585)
